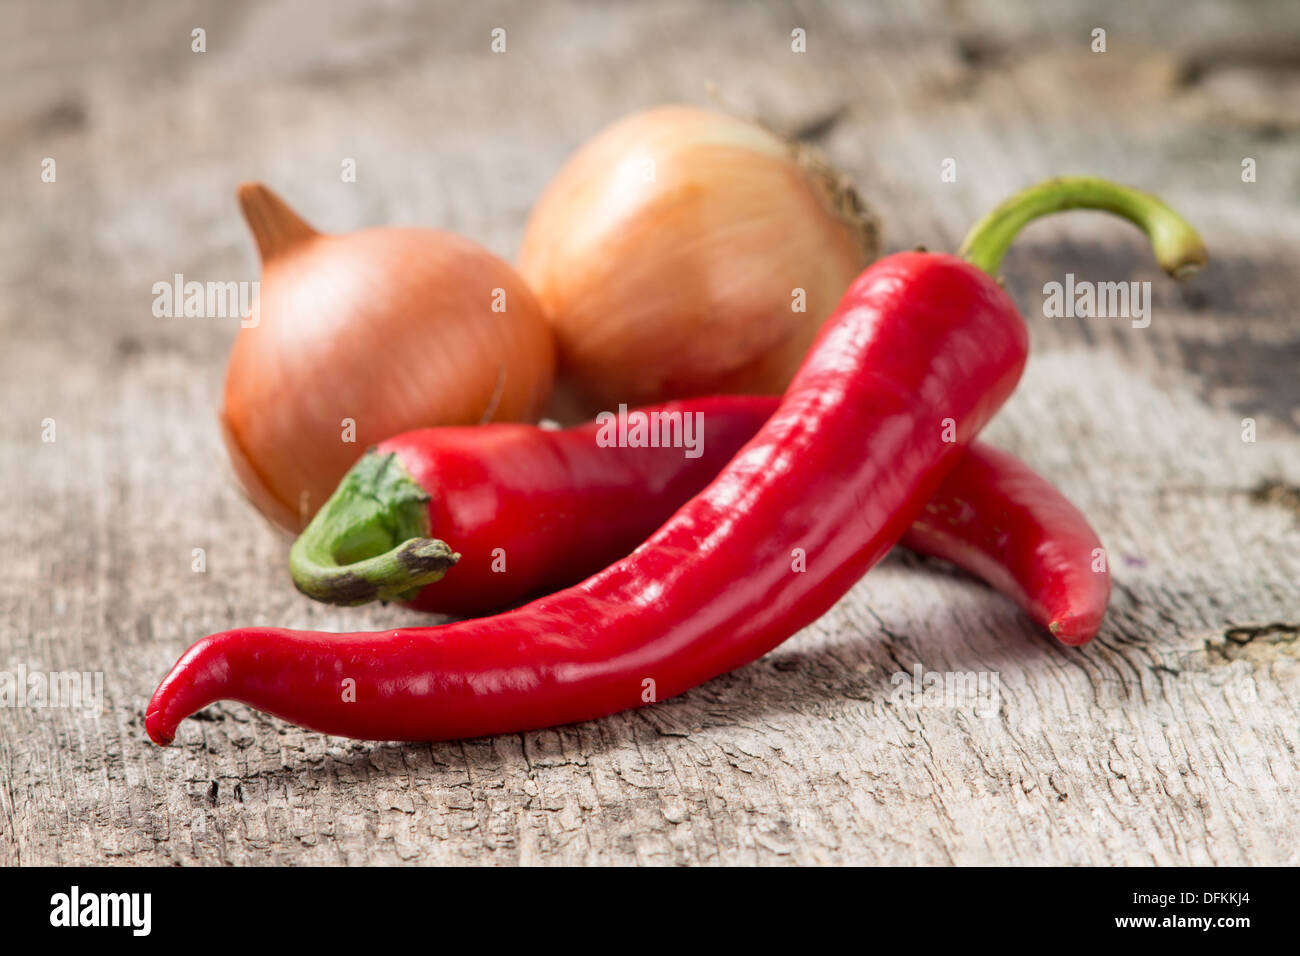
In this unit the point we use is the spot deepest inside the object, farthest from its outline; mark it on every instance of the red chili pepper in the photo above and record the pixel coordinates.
(529, 510)
(532, 510)
(996, 518)
(920, 345)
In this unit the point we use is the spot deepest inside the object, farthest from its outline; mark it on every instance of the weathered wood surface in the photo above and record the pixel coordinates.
(1172, 739)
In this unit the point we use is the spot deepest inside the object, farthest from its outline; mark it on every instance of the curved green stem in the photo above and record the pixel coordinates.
(1178, 248)
(370, 540)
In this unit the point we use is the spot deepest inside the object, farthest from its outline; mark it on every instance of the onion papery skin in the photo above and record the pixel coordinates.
(390, 328)
(684, 284)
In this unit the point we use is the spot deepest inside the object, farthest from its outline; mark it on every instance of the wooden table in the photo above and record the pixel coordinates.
(1172, 739)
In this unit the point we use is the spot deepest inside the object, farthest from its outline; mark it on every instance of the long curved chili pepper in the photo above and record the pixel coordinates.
(531, 510)
(918, 355)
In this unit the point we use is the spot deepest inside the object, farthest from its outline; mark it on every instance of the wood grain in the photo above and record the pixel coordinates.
(1173, 739)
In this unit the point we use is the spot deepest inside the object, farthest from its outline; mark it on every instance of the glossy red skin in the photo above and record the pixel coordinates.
(996, 518)
(844, 466)
(559, 505)
(562, 507)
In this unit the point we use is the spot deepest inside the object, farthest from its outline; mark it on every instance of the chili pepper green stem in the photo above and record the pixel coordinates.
(370, 540)
(1178, 248)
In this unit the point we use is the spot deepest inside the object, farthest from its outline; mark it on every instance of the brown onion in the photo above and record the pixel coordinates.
(358, 337)
(670, 251)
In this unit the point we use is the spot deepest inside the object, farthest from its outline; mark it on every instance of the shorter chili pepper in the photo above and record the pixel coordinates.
(999, 520)
(531, 510)
(920, 353)
(528, 510)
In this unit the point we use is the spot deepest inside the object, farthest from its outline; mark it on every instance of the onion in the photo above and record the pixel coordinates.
(669, 252)
(358, 337)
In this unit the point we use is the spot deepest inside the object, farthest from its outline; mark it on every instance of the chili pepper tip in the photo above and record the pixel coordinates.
(153, 725)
